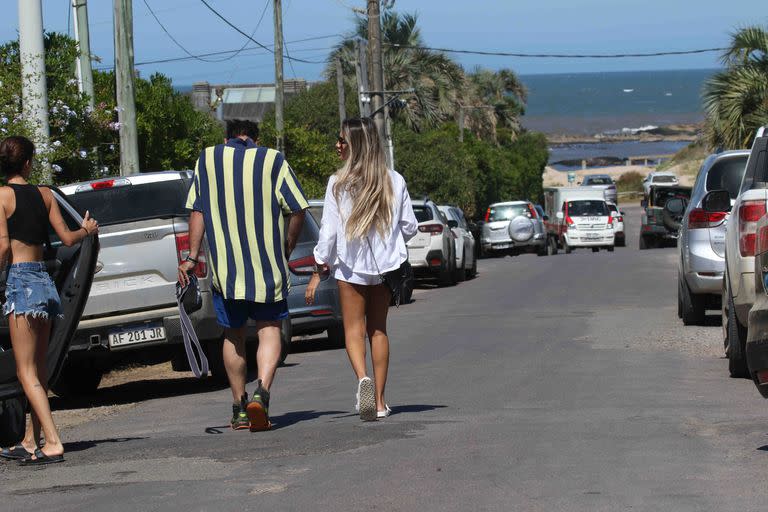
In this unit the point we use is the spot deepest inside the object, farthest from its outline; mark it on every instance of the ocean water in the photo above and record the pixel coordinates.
(590, 103)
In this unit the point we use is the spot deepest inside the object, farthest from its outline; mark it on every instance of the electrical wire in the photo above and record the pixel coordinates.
(197, 57)
(225, 20)
(557, 55)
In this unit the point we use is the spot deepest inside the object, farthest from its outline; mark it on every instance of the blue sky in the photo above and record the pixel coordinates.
(551, 26)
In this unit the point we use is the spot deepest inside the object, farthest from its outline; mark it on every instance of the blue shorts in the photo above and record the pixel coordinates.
(233, 313)
(29, 290)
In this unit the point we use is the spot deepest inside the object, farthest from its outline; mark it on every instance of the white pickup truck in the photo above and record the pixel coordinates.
(740, 238)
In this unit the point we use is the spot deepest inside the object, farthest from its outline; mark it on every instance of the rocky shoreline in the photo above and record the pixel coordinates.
(667, 133)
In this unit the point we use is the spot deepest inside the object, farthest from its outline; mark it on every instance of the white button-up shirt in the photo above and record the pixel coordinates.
(387, 253)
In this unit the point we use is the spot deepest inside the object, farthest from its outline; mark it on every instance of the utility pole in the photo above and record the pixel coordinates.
(377, 69)
(279, 86)
(340, 87)
(126, 96)
(361, 72)
(34, 88)
(84, 71)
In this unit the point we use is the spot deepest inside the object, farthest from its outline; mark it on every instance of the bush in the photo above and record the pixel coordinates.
(630, 182)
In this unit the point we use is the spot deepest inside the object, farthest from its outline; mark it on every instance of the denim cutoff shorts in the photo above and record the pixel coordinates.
(29, 290)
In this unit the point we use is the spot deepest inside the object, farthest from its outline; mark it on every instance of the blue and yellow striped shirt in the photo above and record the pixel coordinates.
(244, 191)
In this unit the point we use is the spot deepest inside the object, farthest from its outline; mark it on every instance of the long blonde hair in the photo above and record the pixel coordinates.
(364, 176)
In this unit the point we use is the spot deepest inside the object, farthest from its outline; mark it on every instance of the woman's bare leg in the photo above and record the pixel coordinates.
(376, 312)
(29, 338)
(353, 298)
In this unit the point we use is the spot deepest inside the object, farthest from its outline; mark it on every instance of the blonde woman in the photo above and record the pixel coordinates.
(367, 219)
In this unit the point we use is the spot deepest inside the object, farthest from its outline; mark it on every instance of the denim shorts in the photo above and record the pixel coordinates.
(29, 290)
(234, 313)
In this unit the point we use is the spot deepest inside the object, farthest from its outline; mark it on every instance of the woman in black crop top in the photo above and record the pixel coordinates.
(26, 212)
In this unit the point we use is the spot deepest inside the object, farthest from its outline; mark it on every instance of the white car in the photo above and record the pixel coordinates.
(740, 238)
(659, 179)
(466, 259)
(620, 238)
(432, 251)
(586, 223)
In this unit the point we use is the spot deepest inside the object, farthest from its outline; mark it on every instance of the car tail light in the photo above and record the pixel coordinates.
(568, 220)
(103, 184)
(610, 220)
(487, 214)
(305, 266)
(762, 240)
(619, 219)
(749, 213)
(762, 377)
(700, 219)
(182, 251)
(432, 229)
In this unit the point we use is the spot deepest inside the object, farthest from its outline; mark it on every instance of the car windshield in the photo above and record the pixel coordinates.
(598, 180)
(662, 195)
(130, 203)
(613, 208)
(726, 174)
(423, 213)
(587, 208)
(507, 212)
(664, 179)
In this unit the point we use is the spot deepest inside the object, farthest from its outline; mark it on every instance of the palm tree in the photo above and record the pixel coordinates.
(736, 99)
(494, 99)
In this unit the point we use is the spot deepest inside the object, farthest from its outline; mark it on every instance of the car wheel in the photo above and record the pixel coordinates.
(473, 270)
(679, 298)
(77, 379)
(737, 340)
(543, 250)
(595, 249)
(12, 420)
(336, 335)
(693, 307)
(551, 246)
(568, 248)
(286, 333)
(643, 243)
(461, 272)
(610, 248)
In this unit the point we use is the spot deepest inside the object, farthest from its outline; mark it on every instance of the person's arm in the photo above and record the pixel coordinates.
(326, 242)
(5, 241)
(68, 237)
(295, 223)
(196, 232)
(409, 225)
(293, 203)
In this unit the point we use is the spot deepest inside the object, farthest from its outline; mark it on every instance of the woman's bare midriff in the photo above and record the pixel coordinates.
(25, 253)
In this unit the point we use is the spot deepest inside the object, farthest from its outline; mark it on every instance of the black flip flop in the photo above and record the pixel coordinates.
(17, 452)
(41, 459)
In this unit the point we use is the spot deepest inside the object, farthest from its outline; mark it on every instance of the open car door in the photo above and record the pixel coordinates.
(72, 270)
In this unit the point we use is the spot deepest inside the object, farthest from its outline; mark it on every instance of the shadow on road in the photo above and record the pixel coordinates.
(282, 421)
(402, 409)
(79, 446)
(138, 391)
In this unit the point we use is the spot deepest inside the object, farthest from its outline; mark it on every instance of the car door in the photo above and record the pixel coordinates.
(469, 239)
(72, 270)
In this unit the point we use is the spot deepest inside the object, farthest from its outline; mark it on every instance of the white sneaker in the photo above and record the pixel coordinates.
(366, 399)
(386, 412)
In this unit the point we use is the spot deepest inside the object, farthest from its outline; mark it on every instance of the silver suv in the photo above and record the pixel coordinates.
(513, 227)
(701, 243)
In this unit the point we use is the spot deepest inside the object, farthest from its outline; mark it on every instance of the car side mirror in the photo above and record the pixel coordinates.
(453, 224)
(560, 216)
(675, 206)
(644, 203)
(717, 201)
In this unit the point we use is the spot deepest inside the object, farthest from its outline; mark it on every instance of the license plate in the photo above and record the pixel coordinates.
(592, 236)
(502, 246)
(137, 335)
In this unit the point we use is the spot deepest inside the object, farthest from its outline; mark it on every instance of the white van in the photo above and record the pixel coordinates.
(577, 218)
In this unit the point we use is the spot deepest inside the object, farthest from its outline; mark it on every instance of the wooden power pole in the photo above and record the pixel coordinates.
(126, 96)
(279, 85)
(340, 87)
(377, 69)
(84, 70)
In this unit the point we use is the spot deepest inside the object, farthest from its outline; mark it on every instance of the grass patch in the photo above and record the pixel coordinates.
(630, 182)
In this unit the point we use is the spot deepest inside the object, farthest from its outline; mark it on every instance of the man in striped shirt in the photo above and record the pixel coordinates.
(239, 197)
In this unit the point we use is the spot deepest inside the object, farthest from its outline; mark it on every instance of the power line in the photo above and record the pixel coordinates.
(225, 20)
(197, 57)
(558, 55)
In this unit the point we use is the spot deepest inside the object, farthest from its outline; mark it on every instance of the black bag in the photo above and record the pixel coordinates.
(394, 279)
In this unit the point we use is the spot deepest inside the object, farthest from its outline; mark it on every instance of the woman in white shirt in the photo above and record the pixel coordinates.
(367, 219)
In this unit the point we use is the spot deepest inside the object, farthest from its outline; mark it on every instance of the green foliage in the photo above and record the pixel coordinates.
(630, 182)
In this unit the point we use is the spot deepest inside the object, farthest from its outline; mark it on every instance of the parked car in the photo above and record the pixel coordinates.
(659, 179)
(72, 269)
(620, 239)
(661, 218)
(431, 252)
(466, 261)
(701, 246)
(756, 348)
(601, 182)
(513, 227)
(738, 294)
(577, 217)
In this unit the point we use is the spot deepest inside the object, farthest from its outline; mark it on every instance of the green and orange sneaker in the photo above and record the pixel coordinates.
(239, 415)
(258, 409)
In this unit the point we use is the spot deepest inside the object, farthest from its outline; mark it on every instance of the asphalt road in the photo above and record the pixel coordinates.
(561, 383)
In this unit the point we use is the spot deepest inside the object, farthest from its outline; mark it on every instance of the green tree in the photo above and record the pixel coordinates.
(504, 94)
(736, 99)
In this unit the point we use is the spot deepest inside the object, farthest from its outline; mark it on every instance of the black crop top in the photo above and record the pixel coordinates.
(29, 222)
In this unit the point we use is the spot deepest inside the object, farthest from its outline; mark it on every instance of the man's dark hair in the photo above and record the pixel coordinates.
(15, 152)
(235, 128)
(251, 129)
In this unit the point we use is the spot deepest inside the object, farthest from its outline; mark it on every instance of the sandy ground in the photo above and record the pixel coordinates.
(555, 178)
